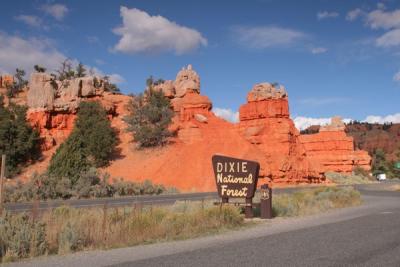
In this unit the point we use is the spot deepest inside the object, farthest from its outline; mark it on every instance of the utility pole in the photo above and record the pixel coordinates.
(2, 171)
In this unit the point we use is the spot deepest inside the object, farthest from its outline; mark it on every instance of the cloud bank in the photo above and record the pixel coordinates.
(141, 32)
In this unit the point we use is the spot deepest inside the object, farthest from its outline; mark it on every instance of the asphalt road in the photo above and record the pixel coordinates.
(368, 235)
(166, 199)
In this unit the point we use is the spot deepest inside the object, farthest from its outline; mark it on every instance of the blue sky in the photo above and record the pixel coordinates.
(333, 57)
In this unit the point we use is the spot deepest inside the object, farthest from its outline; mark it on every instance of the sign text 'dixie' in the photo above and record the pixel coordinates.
(235, 177)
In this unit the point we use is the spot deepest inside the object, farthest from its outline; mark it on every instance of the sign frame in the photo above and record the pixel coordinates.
(236, 178)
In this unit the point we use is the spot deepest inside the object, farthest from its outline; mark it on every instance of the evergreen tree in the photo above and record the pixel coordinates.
(109, 86)
(80, 70)
(39, 68)
(150, 117)
(90, 144)
(379, 163)
(18, 140)
(18, 84)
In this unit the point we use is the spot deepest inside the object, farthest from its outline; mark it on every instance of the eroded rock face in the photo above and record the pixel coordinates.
(265, 123)
(53, 104)
(334, 150)
(186, 80)
(264, 91)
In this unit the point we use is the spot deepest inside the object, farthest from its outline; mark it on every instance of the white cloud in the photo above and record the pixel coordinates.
(379, 19)
(354, 14)
(390, 38)
(305, 122)
(266, 36)
(326, 15)
(58, 11)
(141, 32)
(226, 114)
(396, 77)
(116, 78)
(318, 50)
(30, 20)
(16, 52)
(394, 118)
(302, 123)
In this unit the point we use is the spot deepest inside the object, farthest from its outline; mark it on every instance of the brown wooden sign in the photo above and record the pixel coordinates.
(235, 178)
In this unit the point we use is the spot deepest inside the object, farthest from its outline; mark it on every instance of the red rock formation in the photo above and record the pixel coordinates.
(334, 150)
(265, 134)
(6, 80)
(53, 105)
(265, 123)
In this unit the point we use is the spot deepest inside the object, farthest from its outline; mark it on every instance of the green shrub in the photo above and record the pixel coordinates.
(90, 144)
(18, 140)
(21, 237)
(69, 239)
(150, 117)
(90, 184)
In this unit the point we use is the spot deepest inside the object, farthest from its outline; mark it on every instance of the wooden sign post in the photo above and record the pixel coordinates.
(236, 178)
(2, 172)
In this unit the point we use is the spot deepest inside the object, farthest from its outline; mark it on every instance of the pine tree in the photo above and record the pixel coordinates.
(39, 68)
(90, 144)
(18, 140)
(80, 70)
(150, 117)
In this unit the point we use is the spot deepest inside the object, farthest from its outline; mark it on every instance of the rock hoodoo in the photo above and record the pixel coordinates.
(334, 150)
(265, 123)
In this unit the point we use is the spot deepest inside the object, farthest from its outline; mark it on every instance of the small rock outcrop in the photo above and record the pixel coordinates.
(186, 80)
(6, 80)
(334, 150)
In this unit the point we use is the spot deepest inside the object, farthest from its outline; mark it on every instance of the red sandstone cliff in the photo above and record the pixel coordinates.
(334, 150)
(265, 123)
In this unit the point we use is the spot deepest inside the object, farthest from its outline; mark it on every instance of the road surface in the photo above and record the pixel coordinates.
(368, 235)
(166, 199)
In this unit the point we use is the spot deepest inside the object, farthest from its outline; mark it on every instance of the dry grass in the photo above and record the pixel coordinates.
(313, 201)
(66, 229)
(344, 179)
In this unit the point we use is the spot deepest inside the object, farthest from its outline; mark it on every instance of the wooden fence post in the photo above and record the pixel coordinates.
(2, 172)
